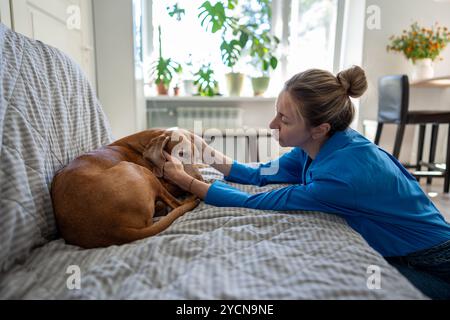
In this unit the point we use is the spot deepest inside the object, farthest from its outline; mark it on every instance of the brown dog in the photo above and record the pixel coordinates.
(108, 196)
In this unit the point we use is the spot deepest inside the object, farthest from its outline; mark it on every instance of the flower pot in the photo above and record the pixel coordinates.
(235, 82)
(162, 89)
(260, 85)
(189, 87)
(423, 69)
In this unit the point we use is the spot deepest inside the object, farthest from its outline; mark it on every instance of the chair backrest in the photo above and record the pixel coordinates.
(393, 98)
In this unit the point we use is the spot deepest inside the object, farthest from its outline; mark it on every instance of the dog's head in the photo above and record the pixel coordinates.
(179, 144)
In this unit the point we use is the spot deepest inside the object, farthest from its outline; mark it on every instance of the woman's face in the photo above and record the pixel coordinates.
(289, 127)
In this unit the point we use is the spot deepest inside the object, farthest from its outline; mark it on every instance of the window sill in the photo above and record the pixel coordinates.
(209, 99)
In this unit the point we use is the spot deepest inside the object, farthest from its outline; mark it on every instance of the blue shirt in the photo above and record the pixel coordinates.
(350, 177)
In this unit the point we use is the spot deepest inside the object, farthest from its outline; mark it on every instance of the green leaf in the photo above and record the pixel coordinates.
(243, 39)
(231, 52)
(232, 4)
(273, 62)
(213, 16)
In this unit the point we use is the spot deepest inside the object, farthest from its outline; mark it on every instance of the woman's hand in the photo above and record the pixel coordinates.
(173, 168)
(208, 155)
(198, 141)
(174, 171)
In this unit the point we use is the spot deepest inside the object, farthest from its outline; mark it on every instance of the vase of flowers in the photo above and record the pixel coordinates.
(422, 47)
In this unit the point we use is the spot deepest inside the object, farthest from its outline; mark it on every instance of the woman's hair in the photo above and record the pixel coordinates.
(322, 97)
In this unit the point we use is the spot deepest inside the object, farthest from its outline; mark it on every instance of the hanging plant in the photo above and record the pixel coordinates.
(176, 11)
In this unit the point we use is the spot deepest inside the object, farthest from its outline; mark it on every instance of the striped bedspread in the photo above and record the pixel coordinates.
(218, 253)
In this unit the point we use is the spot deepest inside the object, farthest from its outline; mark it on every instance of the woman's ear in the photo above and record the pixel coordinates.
(321, 131)
(154, 152)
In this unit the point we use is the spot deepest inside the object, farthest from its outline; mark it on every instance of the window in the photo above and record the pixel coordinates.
(307, 30)
(312, 35)
(183, 38)
(137, 23)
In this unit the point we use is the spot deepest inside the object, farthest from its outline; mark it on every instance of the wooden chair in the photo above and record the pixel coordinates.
(393, 105)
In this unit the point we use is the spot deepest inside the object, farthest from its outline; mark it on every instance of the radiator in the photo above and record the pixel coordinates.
(210, 117)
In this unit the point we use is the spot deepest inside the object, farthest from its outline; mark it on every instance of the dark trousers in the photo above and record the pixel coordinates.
(428, 270)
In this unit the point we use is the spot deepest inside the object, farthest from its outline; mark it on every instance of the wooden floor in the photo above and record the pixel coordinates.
(435, 193)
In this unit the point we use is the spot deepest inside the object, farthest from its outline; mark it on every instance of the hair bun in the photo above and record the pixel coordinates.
(353, 81)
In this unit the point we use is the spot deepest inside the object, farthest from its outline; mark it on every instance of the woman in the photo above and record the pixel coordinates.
(334, 169)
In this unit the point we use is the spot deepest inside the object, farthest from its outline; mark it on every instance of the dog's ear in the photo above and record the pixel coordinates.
(153, 152)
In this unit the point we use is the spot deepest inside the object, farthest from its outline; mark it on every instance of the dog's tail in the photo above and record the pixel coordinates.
(133, 234)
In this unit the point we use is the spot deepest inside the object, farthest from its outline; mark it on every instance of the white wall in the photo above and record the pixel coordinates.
(5, 13)
(119, 80)
(395, 17)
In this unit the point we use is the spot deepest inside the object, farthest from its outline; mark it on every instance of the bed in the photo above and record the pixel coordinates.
(49, 114)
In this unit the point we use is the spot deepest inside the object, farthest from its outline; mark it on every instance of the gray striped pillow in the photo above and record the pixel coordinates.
(49, 114)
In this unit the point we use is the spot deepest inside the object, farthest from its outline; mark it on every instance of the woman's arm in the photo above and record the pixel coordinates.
(289, 169)
(327, 194)
(209, 155)
(286, 169)
(173, 170)
(217, 160)
(190, 184)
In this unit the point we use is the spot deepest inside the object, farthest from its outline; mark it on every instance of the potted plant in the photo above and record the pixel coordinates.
(219, 17)
(422, 46)
(263, 44)
(188, 77)
(164, 70)
(253, 27)
(230, 55)
(260, 84)
(176, 90)
(205, 81)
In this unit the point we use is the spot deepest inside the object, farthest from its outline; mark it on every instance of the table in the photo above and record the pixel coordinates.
(438, 82)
